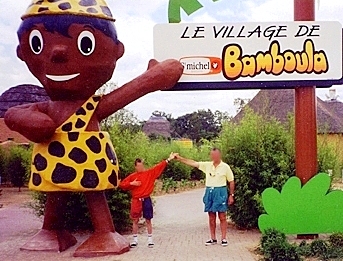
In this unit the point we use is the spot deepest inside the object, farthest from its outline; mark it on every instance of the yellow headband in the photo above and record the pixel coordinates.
(91, 8)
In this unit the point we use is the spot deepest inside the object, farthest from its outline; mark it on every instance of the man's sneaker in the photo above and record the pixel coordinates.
(211, 242)
(224, 242)
(133, 244)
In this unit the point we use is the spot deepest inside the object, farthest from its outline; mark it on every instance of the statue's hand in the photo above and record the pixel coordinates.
(29, 121)
(165, 74)
(152, 63)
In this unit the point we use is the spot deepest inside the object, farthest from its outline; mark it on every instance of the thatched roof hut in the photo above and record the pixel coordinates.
(21, 94)
(7, 135)
(157, 125)
(279, 104)
(18, 95)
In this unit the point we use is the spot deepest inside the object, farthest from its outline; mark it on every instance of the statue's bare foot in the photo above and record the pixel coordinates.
(50, 240)
(102, 244)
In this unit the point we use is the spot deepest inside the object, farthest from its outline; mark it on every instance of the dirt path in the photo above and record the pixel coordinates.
(180, 229)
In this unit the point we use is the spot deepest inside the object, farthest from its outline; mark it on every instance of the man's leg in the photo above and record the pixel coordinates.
(223, 224)
(212, 224)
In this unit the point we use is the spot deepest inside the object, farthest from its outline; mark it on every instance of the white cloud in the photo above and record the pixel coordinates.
(135, 8)
(270, 10)
(200, 18)
(136, 35)
(276, 10)
(179, 103)
(330, 10)
(226, 12)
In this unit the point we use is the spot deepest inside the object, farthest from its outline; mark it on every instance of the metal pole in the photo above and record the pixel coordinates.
(305, 110)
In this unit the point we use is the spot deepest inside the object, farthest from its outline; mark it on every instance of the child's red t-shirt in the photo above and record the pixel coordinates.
(147, 179)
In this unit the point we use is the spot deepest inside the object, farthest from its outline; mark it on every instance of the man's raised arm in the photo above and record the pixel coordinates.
(188, 162)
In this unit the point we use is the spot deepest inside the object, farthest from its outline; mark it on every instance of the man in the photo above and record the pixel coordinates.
(216, 197)
(141, 184)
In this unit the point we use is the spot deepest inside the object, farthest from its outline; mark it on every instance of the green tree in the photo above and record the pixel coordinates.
(168, 116)
(202, 124)
(125, 119)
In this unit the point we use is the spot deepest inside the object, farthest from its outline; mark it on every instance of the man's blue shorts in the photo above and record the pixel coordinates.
(216, 199)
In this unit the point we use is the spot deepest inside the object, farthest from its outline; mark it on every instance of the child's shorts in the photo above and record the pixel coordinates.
(141, 206)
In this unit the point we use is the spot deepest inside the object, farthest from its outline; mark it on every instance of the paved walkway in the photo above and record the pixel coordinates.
(180, 229)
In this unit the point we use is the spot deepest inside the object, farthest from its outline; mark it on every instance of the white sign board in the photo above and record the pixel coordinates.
(289, 51)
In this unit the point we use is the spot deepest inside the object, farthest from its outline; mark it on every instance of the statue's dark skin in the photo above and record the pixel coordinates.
(38, 121)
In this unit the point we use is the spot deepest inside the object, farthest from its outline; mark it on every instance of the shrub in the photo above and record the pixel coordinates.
(260, 152)
(284, 252)
(18, 165)
(304, 249)
(269, 237)
(318, 247)
(176, 171)
(336, 239)
(169, 184)
(325, 250)
(274, 246)
(329, 155)
(38, 203)
(3, 173)
(197, 174)
(119, 203)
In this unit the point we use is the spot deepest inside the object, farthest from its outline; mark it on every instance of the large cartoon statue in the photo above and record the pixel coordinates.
(71, 47)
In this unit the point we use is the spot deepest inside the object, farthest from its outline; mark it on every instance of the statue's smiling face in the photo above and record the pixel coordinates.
(69, 67)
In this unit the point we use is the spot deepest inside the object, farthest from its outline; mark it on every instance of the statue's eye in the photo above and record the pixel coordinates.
(86, 43)
(36, 42)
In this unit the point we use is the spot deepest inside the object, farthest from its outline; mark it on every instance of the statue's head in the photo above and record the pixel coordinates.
(70, 46)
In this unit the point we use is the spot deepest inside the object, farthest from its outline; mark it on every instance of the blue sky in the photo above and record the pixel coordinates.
(135, 21)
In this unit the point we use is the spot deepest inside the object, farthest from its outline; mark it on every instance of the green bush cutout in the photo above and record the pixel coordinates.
(308, 209)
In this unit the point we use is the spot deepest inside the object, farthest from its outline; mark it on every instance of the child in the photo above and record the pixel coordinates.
(141, 184)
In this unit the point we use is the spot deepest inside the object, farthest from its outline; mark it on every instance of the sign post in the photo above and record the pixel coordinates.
(306, 162)
(305, 111)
